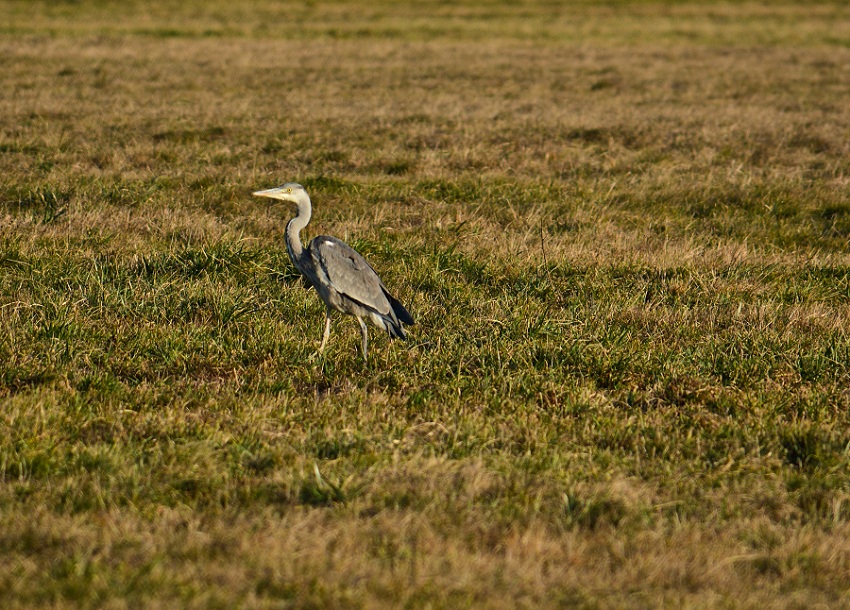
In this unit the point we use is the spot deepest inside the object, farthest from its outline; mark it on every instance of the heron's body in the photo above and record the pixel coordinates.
(341, 276)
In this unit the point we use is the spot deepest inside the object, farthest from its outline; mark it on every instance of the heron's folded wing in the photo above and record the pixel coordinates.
(349, 273)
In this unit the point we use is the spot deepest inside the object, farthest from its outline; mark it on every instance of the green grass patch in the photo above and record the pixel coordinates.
(622, 231)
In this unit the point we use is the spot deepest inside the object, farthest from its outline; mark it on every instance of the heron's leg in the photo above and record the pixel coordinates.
(365, 335)
(327, 329)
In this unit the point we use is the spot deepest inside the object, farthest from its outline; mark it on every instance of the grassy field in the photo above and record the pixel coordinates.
(623, 229)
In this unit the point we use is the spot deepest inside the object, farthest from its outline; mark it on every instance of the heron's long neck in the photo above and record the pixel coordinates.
(293, 233)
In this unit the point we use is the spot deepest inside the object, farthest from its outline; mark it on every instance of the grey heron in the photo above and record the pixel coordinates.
(341, 276)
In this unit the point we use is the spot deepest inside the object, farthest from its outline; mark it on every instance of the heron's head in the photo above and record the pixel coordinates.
(291, 191)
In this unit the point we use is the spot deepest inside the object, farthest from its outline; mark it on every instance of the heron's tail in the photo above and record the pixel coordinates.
(398, 309)
(398, 317)
(395, 329)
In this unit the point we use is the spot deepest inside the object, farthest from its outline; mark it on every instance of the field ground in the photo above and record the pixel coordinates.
(623, 230)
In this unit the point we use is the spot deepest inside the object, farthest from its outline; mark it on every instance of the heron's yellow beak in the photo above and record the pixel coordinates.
(282, 193)
(273, 193)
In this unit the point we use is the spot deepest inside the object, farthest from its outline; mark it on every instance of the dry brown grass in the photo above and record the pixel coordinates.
(622, 229)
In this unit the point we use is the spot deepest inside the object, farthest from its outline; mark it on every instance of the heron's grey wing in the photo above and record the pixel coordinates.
(349, 273)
